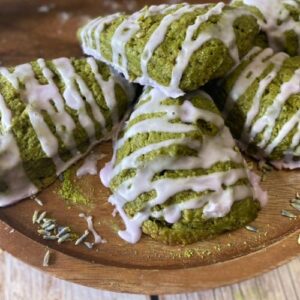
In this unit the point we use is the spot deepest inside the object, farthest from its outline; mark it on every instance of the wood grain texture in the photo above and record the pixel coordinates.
(28, 33)
(279, 284)
(19, 281)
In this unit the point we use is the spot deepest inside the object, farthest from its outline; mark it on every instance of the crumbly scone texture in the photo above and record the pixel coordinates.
(270, 94)
(193, 225)
(287, 18)
(40, 168)
(210, 60)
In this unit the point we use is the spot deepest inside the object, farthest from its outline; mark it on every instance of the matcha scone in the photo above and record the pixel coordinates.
(52, 113)
(279, 20)
(176, 173)
(176, 48)
(260, 101)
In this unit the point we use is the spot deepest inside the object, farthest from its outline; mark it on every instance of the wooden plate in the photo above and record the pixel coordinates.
(147, 267)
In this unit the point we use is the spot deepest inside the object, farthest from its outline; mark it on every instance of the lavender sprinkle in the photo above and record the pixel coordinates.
(35, 216)
(38, 201)
(49, 237)
(288, 214)
(50, 227)
(63, 238)
(89, 245)
(41, 217)
(46, 259)
(46, 224)
(63, 230)
(82, 238)
(296, 205)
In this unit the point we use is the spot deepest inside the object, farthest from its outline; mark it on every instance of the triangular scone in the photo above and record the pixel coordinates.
(176, 173)
(279, 20)
(176, 48)
(260, 101)
(52, 113)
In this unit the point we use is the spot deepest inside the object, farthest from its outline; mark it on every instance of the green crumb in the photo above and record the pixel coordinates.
(74, 236)
(70, 192)
(218, 248)
(173, 255)
(115, 227)
(188, 253)
(205, 253)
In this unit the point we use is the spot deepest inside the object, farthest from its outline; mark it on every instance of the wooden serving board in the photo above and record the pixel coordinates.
(147, 267)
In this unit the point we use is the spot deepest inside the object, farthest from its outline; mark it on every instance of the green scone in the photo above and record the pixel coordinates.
(176, 173)
(260, 101)
(52, 113)
(176, 48)
(279, 20)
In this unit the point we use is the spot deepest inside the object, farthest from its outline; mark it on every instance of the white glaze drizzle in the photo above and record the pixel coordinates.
(47, 139)
(97, 238)
(277, 60)
(267, 122)
(284, 131)
(91, 33)
(289, 165)
(159, 34)
(218, 204)
(89, 166)
(126, 30)
(190, 45)
(223, 31)
(108, 89)
(63, 122)
(11, 168)
(5, 115)
(247, 77)
(32, 94)
(38, 97)
(74, 99)
(190, 114)
(274, 11)
(259, 193)
(211, 150)
(46, 97)
(255, 50)
(12, 172)
(187, 113)
(166, 188)
(95, 28)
